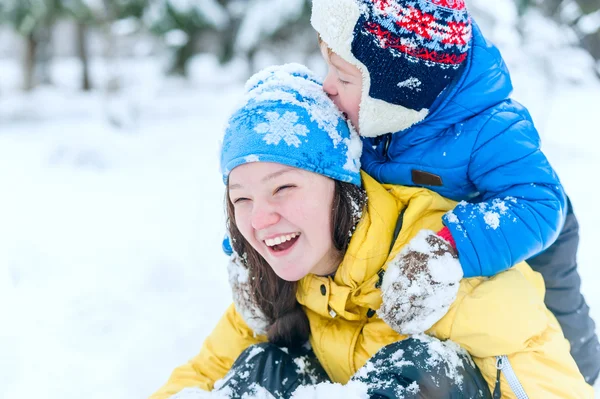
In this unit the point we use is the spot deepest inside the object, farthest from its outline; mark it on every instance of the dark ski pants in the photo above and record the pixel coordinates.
(558, 266)
(411, 368)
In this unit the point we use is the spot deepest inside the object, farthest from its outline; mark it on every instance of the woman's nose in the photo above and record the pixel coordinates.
(264, 216)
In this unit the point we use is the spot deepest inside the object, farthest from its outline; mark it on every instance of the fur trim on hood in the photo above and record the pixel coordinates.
(242, 295)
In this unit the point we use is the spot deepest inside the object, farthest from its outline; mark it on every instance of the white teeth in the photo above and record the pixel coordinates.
(278, 240)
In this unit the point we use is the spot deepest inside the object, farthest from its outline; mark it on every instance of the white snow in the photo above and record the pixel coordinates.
(176, 38)
(191, 393)
(352, 390)
(446, 357)
(258, 392)
(252, 158)
(211, 10)
(490, 211)
(301, 365)
(413, 388)
(452, 218)
(411, 83)
(125, 26)
(253, 352)
(447, 354)
(589, 23)
(354, 145)
(275, 85)
(111, 269)
(492, 219)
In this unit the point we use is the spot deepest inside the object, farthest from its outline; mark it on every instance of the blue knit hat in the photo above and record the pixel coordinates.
(287, 118)
(407, 50)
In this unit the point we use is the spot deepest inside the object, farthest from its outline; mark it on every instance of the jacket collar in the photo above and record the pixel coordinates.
(353, 285)
(354, 289)
(484, 83)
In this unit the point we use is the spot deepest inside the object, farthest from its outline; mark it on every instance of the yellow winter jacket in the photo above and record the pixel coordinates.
(502, 315)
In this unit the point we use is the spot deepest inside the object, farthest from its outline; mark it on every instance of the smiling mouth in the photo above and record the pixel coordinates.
(282, 243)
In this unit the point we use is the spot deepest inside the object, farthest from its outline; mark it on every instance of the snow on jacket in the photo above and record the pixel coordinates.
(482, 148)
(502, 315)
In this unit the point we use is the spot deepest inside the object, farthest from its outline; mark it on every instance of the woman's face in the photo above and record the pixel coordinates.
(285, 214)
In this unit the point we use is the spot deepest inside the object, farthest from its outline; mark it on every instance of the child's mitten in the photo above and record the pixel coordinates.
(420, 284)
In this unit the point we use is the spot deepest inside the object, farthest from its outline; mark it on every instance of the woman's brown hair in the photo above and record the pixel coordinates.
(275, 297)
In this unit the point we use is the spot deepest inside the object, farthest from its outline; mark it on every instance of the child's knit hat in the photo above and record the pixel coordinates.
(287, 118)
(407, 50)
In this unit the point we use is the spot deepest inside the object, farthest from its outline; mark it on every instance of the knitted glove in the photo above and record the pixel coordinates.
(420, 284)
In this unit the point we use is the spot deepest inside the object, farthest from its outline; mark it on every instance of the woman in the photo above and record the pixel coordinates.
(320, 246)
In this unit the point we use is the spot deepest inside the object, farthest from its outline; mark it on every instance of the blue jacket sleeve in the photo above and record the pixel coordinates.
(521, 205)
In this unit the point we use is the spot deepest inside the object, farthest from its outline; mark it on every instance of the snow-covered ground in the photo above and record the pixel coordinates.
(111, 271)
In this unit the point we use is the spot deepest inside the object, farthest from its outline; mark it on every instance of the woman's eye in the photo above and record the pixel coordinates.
(240, 200)
(284, 187)
(343, 82)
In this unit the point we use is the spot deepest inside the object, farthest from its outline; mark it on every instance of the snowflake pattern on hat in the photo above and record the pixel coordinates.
(282, 127)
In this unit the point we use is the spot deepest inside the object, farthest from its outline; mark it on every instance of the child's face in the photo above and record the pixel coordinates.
(343, 84)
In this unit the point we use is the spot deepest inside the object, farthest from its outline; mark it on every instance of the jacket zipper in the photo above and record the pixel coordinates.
(388, 139)
(503, 365)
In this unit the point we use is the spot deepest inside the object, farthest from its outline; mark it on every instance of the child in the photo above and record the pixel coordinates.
(430, 97)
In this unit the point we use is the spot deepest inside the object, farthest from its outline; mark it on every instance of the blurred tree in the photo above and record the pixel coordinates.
(84, 13)
(271, 23)
(120, 18)
(228, 27)
(235, 9)
(121, 9)
(586, 23)
(583, 16)
(181, 23)
(35, 21)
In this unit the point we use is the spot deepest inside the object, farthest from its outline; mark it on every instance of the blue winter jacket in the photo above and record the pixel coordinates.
(478, 146)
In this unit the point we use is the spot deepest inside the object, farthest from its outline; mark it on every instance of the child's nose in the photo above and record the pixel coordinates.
(329, 85)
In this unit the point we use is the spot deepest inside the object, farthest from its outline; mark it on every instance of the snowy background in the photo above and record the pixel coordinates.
(111, 208)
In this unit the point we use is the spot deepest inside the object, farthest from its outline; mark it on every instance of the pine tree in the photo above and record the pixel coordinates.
(587, 26)
(272, 23)
(121, 9)
(84, 13)
(35, 21)
(582, 16)
(182, 22)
